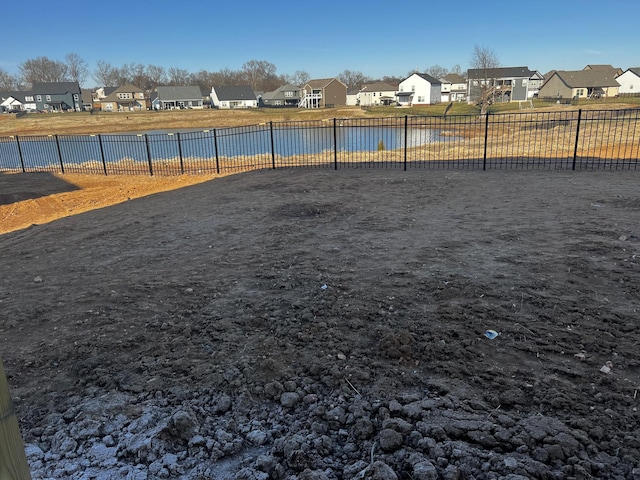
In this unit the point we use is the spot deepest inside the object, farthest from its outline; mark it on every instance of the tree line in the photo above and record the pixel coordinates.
(259, 74)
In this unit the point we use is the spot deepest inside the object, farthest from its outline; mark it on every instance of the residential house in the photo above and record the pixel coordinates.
(127, 98)
(616, 71)
(177, 98)
(287, 95)
(323, 93)
(352, 96)
(377, 93)
(454, 88)
(233, 96)
(592, 83)
(629, 81)
(14, 101)
(87, 99)
(503, 84)
(419, 89)
(56, 96)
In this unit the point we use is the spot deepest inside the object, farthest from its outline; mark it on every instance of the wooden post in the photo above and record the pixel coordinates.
(13, 461)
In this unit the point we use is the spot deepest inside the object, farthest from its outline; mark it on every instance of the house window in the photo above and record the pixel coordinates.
(75, 96)
(413, 88)
(288, 94)
(30, 98)
(39, 98)
(48, 98)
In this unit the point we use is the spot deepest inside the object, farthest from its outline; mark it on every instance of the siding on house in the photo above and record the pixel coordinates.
(420, 89)
(233, 96)
(580, 84)
(334, 92)
(629, 81)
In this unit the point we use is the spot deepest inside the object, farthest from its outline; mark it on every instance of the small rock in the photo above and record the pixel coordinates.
(289, 399)
(390, 440)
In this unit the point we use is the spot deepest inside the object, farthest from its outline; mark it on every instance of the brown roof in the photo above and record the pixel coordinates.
(454, 78)
(379, 87)
(113, 97)
(321, 82)
(588, 78)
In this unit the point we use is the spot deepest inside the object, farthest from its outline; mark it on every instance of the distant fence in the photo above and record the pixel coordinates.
(578, 139)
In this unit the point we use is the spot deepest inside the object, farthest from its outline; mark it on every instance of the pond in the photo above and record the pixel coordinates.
(42, 151)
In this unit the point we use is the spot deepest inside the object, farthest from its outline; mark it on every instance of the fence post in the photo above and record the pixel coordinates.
(215, 147)
(575, 148)
(486, 137)
(20, 154)
(180, 153)
(273, 150)
(406, 121)
(13, 460)
(335, 144)
(104, 162)
(146, 140)
(59, 153)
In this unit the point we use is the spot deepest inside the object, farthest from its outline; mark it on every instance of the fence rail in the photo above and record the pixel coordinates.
(579, 139)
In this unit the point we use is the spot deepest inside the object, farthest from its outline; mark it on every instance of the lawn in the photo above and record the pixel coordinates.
(104, 122)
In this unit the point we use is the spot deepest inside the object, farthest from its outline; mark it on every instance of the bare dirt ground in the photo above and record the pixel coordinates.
(324, 325)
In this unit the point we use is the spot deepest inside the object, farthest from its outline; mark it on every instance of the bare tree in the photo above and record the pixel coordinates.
(156, 76)
(203, 79)
(77, 69)
(42, 69)
(299, 78)
(436, 71)
(7, 81)
(106, 75)
(137, 75)
(483, 61)
(391, 80)
(227, 76)
(260, 74)
(178, 76)
(353, 79)
(456, 69)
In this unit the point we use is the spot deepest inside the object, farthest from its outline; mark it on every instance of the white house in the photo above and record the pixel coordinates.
(233, 96)
(378, 93)
(419, 89)
(629, 81)
(454, 88)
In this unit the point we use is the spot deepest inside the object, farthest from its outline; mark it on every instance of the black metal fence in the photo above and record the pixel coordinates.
(578, 139)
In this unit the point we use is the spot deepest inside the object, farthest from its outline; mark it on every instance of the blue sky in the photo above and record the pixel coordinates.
(377, 38)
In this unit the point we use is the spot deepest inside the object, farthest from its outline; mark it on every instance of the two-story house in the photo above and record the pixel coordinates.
(323, 92)
(419, 89)
(127, 98)
(629, 81)
(56, 97)
(503, 84)
(287, 95)
(454, 88)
